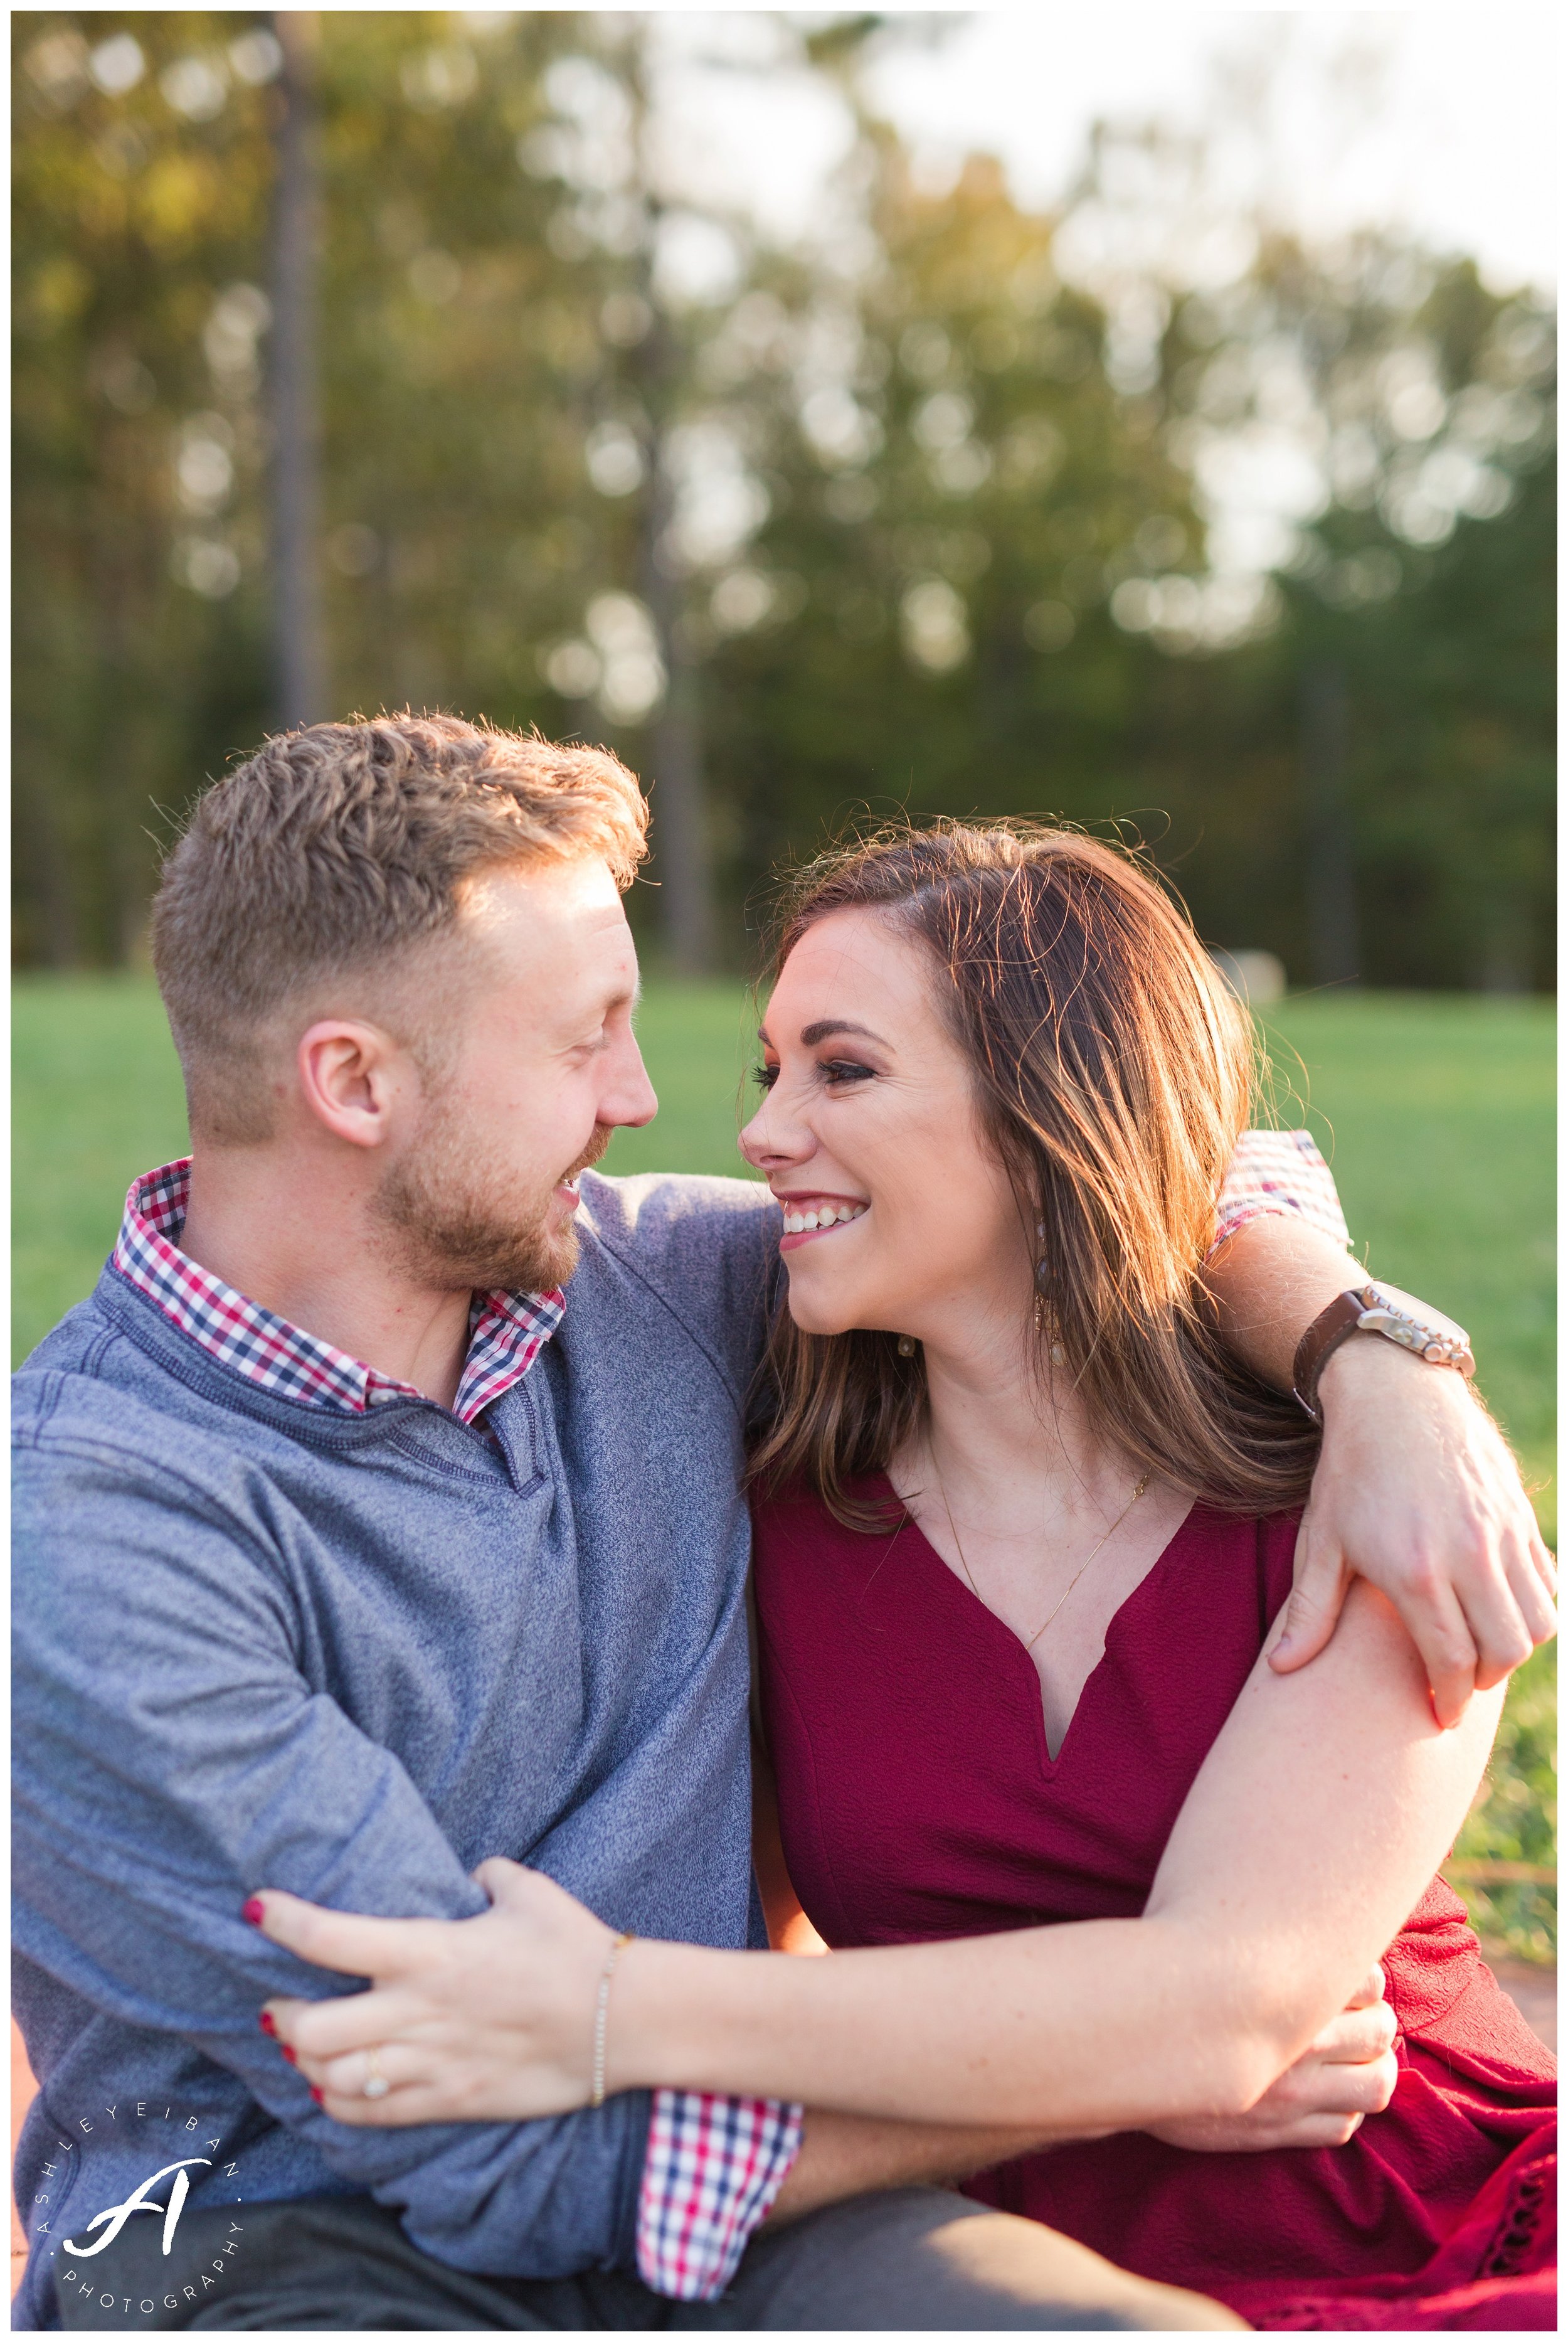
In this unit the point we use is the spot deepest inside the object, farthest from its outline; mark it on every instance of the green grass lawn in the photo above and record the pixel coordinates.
(1437, 1114)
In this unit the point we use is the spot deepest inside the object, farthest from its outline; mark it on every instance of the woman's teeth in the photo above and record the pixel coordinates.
(827, 1216)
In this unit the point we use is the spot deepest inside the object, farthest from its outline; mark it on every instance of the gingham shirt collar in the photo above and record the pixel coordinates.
(506, 1331)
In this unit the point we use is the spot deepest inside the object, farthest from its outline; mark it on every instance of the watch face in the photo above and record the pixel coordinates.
(1417, 1314)
(1399, 1318)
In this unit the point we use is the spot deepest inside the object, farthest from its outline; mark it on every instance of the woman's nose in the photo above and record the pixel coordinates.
(772, 1138)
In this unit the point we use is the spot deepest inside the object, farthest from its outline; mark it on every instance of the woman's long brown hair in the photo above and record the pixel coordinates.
(1113, 1072)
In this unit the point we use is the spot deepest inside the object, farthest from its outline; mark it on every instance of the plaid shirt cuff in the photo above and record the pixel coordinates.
(713, 2169)
(1279, 1171)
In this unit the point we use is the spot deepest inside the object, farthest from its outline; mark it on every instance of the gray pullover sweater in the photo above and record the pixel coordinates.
(261, 1644)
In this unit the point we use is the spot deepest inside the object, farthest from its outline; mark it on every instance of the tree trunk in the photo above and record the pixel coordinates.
(681, 860)
(299, 676)
(682, 863)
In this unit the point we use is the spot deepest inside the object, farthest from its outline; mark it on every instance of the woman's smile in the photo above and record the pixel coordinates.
(809, 1214)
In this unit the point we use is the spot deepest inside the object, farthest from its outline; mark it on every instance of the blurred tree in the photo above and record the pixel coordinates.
(459, 354)
(507, 387)
(140, 162)
(955, 488)
(901, 514)
(1415, 587)
(298, 648)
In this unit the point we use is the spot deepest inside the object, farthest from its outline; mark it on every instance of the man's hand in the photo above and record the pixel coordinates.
(1348, 2073)
(1417, 1492)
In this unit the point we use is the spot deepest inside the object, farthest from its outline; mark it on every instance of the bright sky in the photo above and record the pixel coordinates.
(1444, 121)
(1441, 120)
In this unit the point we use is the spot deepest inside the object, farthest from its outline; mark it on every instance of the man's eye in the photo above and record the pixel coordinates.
(765, 1076)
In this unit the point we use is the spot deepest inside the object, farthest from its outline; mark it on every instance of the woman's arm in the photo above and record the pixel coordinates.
(1323, 1809)
(1348, 2072)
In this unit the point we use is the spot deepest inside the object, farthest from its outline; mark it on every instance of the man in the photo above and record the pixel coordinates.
(351, 1549)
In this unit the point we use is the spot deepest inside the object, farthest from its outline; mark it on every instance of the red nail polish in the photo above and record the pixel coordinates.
(267, 2026)
(317, 2096)
(288, 2053)
(255, 1911)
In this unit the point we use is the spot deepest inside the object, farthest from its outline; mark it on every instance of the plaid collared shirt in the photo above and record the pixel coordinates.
(506, 1331)
(713, 2165)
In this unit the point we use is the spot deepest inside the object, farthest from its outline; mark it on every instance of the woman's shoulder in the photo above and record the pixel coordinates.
(798, 1536)
(792, 1508)
(1261, 1533)
(1252, 1555)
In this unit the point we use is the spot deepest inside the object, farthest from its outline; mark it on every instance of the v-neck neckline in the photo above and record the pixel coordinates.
(1015, 1645)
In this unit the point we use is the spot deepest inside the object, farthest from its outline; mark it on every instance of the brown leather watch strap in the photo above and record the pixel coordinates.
(1397, 1317)
(1323, 1338)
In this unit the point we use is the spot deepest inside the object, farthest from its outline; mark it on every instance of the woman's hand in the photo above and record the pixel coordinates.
(488, 2019)
(1348, 2073)
(1417, 1492)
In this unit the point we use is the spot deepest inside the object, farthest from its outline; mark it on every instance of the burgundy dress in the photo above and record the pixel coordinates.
(917, 1800)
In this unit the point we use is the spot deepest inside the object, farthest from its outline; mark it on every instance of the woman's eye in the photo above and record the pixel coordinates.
(765, 1076)
(839, 1072)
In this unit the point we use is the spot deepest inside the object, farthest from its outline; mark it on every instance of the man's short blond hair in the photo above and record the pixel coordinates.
(334, 852)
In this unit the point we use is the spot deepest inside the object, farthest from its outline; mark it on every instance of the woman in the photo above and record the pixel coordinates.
(1022, 1529)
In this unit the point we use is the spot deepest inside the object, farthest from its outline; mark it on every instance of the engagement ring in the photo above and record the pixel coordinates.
(376, 2085)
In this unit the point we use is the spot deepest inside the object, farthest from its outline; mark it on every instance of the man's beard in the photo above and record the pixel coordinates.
(457, 1226)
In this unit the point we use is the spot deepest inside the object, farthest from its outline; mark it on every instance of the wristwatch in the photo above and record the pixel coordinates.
(1377, 1309)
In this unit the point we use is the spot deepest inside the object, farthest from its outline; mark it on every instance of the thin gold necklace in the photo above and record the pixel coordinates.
(1031, 1640)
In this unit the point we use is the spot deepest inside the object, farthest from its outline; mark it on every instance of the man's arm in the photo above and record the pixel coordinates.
(1416, 1490)
(171, 1758)
(855, 2155)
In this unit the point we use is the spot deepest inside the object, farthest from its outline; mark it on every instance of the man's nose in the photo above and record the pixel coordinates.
(630, 1100)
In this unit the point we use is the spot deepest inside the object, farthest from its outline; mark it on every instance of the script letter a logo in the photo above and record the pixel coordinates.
(118, 2214)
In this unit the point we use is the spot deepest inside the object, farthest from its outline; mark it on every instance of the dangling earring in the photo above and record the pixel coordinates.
(907, 1346)
(1040, 1314)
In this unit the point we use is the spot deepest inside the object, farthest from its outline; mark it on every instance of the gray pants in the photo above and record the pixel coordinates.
(916, 2258)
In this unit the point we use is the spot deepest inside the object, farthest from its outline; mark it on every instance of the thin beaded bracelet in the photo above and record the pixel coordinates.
(602, 2017)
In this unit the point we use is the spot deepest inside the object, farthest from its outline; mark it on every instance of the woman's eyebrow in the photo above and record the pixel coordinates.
(812, 1034)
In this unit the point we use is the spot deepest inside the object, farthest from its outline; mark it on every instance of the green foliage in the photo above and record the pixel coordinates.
(462, 368)
(134, 218)
(1438, 1114)
(1513, 1822)
(96, 1099)
(979, 570)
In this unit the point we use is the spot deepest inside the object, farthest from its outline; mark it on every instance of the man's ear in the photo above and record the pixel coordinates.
(350, 1077)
